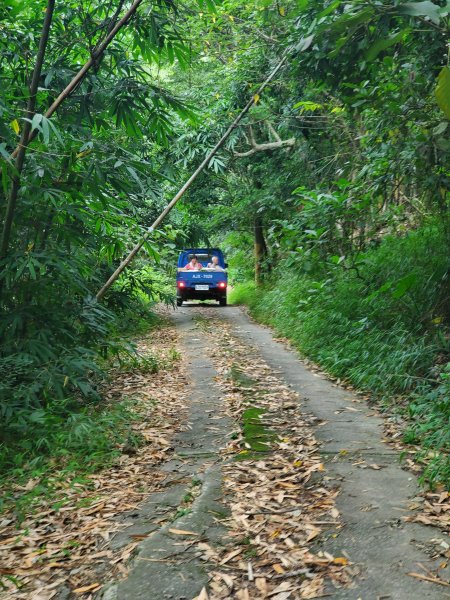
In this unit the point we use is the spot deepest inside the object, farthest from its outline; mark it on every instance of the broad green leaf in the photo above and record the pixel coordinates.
(440, 128)
(421, 9)
(329, 9)
(211, 6)
(442, 91)
(208, 5)
(339, 44)
(404, 285)
(337, 259)
(134, 175)
(385, 287)
(350, 21)
(445, 10)
(31, 269)
(54, 128)
(4, 152)
(45, 130)
(307, 105)
(36, 121)
(384, 43)
(305, 43)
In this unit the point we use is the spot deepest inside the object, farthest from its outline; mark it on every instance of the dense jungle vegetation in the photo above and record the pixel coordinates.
(330, 199)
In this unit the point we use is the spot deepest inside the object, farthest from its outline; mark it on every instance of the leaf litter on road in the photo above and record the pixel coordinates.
(273, 486)
(281, 506)
(64, 542)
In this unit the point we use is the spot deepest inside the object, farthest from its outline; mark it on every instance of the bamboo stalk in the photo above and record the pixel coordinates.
(19, 153)
(124, 264)
(27, 135)
(78, 78)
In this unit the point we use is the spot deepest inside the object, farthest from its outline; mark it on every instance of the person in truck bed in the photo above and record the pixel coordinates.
(193, 265)
(214, 264)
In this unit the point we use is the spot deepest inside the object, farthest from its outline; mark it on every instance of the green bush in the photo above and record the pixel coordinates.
(245, 293)
(381, 326)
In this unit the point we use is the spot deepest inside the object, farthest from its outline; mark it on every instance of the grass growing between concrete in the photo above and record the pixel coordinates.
(257, 438)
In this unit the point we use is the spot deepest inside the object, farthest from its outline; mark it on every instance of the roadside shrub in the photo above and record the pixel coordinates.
(245, 293)
(53, 360)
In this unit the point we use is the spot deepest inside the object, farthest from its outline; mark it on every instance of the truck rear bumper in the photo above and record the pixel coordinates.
(191, 294)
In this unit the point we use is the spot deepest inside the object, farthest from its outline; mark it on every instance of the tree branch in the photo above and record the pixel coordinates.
(255, 147)
(273, 132)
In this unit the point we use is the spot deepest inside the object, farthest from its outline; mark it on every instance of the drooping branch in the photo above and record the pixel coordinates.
(255, 147)
(124, 264)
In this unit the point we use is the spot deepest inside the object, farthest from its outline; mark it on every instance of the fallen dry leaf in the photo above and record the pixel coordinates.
(87, 588)
(182, 532)
(430, 579)
(65, 546)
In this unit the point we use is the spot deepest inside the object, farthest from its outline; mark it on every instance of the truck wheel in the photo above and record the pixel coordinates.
(179, 301)
(223, 302)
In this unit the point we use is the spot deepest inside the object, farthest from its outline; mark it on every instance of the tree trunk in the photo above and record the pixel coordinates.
(260, 250)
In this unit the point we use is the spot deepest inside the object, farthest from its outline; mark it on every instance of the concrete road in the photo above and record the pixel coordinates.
(372, 501)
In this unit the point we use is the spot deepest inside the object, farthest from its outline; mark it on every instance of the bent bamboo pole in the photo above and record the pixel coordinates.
(124, 264)
(78, 78)
(27, 135)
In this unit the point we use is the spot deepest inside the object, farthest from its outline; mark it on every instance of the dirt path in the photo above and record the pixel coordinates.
(280, 486)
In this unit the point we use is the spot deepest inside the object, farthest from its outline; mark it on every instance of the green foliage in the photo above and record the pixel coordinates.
(443, 91)
(364, 94)
(429, 412)
(245, 293)
(93, 181)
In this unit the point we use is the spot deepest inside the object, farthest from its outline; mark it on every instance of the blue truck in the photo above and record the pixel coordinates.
(202, 284)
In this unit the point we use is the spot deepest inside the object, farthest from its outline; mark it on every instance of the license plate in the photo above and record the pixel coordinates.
(202, 287)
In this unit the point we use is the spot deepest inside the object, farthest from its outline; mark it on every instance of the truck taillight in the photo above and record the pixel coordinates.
(181, 284)
(222, 284)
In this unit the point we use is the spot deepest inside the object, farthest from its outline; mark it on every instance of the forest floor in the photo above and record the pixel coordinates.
(261, 479)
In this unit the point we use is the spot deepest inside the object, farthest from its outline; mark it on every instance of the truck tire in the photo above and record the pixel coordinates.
(223, 301)
(179, 301)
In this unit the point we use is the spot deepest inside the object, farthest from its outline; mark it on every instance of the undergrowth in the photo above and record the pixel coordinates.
(382, 327)
(56, 425)
(67, 442)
